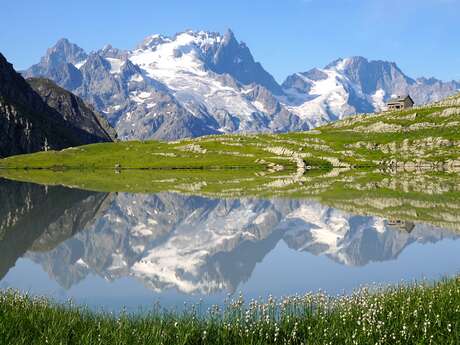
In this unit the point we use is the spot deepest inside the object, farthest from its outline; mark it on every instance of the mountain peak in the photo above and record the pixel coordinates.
(4, 65)
(229, 35)
(8, 78)
(234, 58)
(428, 81)
(202, 39)
(110, 52)
(357, 61)
(62, 42)
(152, 41)
(371, 74)
(343, 63)
(64, 52)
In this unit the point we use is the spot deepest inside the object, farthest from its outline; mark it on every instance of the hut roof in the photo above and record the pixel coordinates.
(400, 99)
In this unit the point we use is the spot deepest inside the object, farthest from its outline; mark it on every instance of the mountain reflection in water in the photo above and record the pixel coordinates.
(191, 244)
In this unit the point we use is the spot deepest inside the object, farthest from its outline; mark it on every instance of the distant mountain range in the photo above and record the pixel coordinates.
(357, 85)
(199, 83)
(37, 115)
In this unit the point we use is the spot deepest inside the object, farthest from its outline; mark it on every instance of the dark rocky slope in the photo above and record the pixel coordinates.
(72, 108)
(43, 116)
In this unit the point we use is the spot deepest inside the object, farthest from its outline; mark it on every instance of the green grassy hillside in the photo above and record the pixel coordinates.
(425, 136)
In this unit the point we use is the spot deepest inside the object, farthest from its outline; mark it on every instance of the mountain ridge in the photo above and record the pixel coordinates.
(354, 85)
(208, 79)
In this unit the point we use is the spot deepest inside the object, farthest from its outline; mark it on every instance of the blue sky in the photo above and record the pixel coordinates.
(286, 36)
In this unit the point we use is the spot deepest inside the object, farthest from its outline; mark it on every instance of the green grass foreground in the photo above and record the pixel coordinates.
(414, 314)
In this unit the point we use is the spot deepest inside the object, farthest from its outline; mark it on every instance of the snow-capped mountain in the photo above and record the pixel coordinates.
(192, 84)
(198, 83)
(203, 245)
(356, 85)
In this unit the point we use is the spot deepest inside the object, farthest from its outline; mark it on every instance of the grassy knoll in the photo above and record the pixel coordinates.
(415, 314)
(426, 136)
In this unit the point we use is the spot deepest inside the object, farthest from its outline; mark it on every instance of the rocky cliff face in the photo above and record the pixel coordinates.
(73, 110)
(46, 117)
(234, 58)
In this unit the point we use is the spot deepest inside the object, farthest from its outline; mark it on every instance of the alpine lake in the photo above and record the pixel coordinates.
(194, 238)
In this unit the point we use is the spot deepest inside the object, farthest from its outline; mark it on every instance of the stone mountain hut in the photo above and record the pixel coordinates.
(401, 225)
(400, 102)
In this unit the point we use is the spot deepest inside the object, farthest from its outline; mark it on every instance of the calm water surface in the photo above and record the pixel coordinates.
(109, 250)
